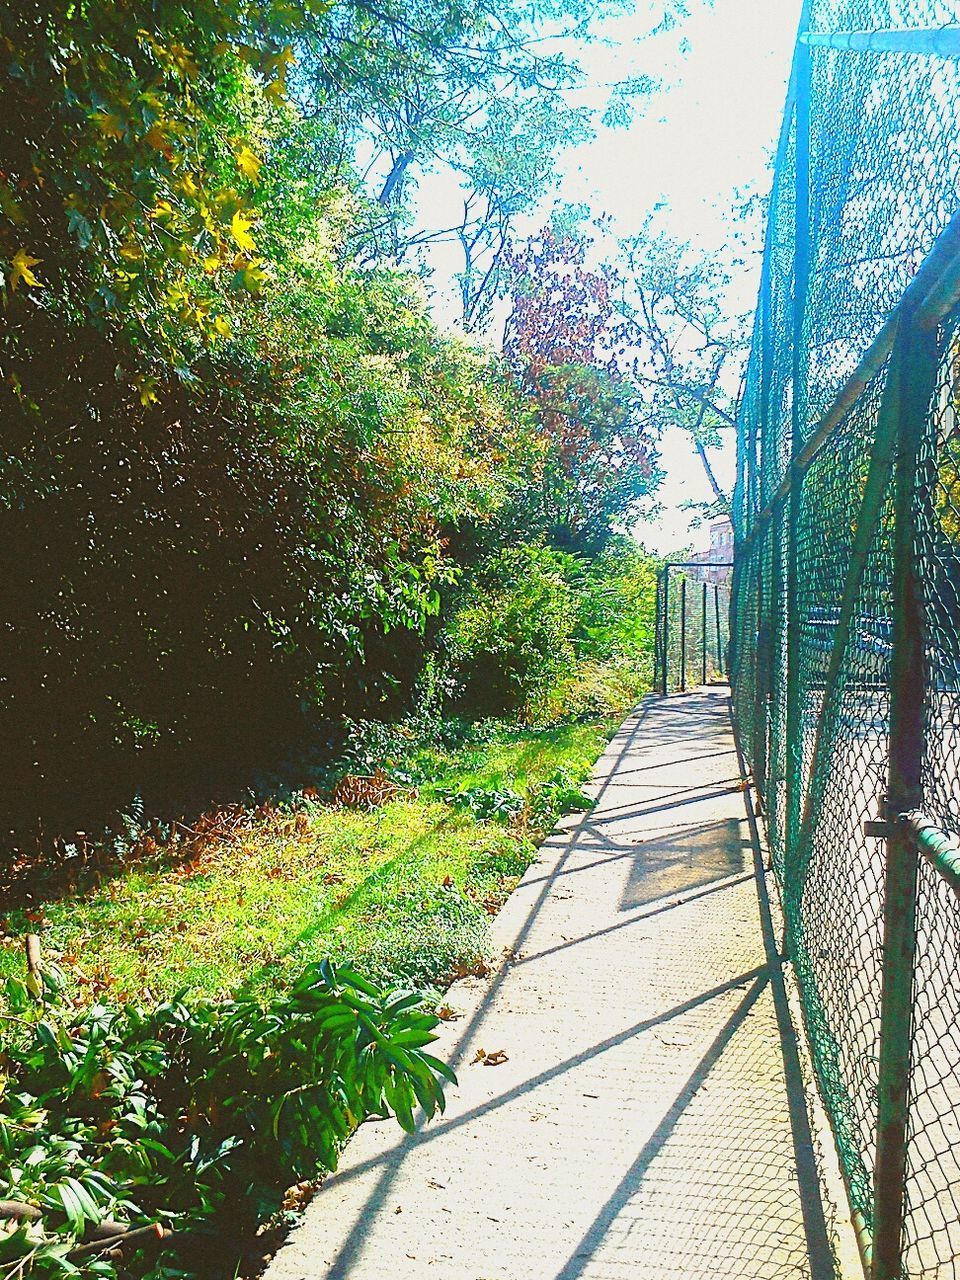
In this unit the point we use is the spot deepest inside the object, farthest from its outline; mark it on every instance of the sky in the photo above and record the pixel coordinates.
(710, 131)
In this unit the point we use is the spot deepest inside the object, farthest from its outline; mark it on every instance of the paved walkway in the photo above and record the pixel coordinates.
(649, 1120)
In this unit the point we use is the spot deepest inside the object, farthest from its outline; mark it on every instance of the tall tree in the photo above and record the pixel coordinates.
(653, 313)
(482, 91)
(602, 459)
(681, 340)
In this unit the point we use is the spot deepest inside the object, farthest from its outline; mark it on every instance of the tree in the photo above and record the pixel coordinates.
(680, 340)
(225, 470)
(601, 459)
(125, 196)
(483, 92)
(653, 314)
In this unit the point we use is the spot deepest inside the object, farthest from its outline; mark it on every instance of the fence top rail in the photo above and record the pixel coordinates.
(937, 42)
(940, 850)
(698, 564)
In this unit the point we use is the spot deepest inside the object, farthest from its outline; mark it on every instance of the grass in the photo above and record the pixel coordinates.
(404, 891)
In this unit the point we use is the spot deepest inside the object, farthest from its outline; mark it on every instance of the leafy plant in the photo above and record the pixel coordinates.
(484, 803)
(558, 794)
(197, 1114)
(511, 636)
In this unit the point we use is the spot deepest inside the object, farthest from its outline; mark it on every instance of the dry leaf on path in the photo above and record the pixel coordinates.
(493, 1059)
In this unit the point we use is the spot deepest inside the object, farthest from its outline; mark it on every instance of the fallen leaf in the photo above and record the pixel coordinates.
(493, 1059)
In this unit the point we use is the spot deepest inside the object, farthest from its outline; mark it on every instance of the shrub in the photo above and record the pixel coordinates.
(197, 1115)
(511, 637)
(556, 795)
(615, 595)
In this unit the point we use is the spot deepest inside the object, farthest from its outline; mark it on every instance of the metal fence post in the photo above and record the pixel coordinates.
(721, 669)
(914, 363)
(703, 654)
(793, 753)
(683, 634)
(666, 628)
(658, 631)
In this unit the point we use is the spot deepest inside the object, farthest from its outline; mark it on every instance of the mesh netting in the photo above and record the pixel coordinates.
(833, 397)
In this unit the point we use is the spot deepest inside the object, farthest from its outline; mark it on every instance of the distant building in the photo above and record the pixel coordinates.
(716, 559)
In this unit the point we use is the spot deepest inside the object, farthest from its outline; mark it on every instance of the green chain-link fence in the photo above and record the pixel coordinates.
(845, 619)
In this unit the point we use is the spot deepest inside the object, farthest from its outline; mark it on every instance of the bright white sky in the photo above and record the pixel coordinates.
(712, 130)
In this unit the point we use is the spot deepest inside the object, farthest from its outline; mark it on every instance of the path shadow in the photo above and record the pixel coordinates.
(752, 1244)
(688, 858)
(737, 1220)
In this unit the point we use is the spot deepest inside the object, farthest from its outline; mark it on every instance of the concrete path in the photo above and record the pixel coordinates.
(649, 1119)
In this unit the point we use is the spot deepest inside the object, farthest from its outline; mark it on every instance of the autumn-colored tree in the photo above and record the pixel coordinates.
(652, 313)
(601, 459)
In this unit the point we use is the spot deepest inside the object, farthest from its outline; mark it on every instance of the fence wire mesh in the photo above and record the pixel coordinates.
(845, 612)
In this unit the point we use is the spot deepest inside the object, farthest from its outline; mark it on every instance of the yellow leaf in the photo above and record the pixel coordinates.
(157, 138)
(222, 326)
(162, 209)
(251, 275)
(276, 66)
(188, 185)
(148, 390)
(249, 163)
(183, 60)
(108, 123)
(211, 264)
(240, 230)
(21, 270)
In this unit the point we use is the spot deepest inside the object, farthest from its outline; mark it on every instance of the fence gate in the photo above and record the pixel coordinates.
(846, 601)
(693, 624)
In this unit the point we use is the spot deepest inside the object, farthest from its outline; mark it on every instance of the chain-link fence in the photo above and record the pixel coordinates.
(693, 624)
(845, 644)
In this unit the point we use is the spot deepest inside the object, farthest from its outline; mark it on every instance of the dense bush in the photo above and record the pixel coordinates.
(242, 473)
(196, 1115)
(512, 635)
(546, 634)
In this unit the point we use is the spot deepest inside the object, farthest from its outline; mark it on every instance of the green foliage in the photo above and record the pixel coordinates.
(512, 637)
(399, 893)
(561, 793)
(197, 1114)
(616, 594)
(483, 802)
(126, 195)
(537, 629)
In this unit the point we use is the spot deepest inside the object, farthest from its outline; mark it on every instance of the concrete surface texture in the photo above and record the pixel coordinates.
(646, 1117)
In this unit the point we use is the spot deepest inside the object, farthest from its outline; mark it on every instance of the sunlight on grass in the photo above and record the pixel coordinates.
(404, 891)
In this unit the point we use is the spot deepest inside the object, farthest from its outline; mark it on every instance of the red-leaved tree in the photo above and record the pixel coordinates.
(600, 456)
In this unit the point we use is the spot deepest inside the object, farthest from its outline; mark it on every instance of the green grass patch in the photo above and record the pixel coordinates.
(404, 892)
